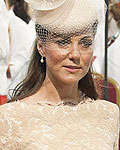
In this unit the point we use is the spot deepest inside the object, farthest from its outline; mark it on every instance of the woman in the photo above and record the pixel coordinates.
(57, 106)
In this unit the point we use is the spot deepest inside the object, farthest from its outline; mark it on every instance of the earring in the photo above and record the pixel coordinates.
(42, 60)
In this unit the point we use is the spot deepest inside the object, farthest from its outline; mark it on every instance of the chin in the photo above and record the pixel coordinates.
(70, 79)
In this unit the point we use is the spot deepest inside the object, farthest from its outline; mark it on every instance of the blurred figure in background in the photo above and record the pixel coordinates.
(20, 8)
(114, 43)
(21, 40)
(100, 44)
(114, 49)
(4, 48)
(114, 60)
(114, 19)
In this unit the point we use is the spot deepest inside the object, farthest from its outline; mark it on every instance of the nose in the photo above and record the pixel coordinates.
(74, 54)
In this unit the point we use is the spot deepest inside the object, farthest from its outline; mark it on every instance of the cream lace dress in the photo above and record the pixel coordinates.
(89, 125)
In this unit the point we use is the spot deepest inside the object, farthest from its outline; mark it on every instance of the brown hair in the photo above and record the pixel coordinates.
(115, 10)
(37, 72)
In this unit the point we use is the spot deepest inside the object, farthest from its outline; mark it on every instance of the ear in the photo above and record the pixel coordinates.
(41, 49)
(93, 58)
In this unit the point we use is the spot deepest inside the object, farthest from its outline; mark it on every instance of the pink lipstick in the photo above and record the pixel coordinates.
(72, 68)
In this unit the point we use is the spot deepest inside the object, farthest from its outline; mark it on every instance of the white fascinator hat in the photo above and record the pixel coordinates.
(45, 4)
(64, 15)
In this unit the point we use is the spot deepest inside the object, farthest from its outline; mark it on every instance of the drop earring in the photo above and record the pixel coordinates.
(42, 60)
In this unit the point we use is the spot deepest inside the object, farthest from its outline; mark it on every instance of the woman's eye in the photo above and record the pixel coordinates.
(85, 43)
(64, 42)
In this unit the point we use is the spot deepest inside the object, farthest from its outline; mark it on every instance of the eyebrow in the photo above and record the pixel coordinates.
(85, 37)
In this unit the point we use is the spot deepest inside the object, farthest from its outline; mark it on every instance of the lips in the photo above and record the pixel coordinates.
(72, 67)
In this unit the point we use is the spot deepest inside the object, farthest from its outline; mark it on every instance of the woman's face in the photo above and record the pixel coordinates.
(68, 58)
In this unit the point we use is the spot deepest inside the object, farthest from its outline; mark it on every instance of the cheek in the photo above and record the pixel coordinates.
(54, 56)
(87, 59)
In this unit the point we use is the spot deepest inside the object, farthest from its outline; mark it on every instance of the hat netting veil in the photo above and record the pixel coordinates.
(59, 20)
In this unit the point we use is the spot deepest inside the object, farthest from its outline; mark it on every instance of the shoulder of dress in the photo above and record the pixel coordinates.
(101, 106)
(7, 105)
(108, 104)
(13, 108)
(7, 109)
(108, 107)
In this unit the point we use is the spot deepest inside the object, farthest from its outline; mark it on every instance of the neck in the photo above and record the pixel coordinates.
(55, 91)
